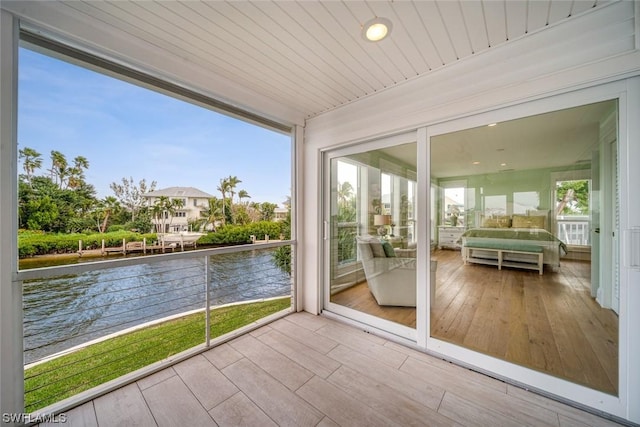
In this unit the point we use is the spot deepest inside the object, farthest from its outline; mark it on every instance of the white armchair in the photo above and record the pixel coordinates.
(391, 280)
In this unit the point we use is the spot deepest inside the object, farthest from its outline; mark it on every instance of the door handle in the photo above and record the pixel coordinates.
(597, 230)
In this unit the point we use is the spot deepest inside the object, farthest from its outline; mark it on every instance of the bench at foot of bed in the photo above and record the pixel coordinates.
(500, 249)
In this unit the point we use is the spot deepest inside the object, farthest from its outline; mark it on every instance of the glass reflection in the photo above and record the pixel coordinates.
(526, 272)
(373, 233)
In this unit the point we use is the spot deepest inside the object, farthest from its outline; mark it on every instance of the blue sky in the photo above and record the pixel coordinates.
(128, 131)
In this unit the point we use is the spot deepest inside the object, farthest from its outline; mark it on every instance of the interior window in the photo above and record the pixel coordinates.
(454, 206)
(572, 198)
(525, 201)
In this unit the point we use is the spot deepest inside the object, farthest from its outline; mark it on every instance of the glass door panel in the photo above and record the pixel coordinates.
(372, 234)
(524, 281)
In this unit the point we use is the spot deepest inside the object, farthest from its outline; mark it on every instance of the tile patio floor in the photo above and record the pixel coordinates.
(306, 370)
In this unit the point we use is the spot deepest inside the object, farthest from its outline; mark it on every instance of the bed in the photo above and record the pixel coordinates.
(517, 238)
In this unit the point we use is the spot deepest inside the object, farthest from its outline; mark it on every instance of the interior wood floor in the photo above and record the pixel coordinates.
(306, 370)
(548, 323)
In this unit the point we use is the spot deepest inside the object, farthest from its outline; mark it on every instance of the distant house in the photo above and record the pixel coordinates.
(194, 201)
(280, 214)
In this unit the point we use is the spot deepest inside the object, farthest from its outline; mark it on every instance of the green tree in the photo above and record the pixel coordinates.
(76, 173)
(232, 182)
(106, 208)
(572, 197)
(131, 195)
(223, 188)
(59, 168)
(164, 209)
(142, 223)
(73, 207)
(42, 214)
(282, 255)
(242, 194)
(31, 160)
(346, 221)
(267, 211)
(213, 212)
(64, 187)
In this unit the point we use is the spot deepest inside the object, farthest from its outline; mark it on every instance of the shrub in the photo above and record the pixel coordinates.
(30, 244)
(241, 234)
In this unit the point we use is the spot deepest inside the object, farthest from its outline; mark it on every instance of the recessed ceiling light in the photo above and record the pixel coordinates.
(503, 164)
(476, 162)
(376, 29)
(492, 124)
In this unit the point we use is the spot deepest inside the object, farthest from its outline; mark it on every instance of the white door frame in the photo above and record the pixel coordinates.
(628, 94)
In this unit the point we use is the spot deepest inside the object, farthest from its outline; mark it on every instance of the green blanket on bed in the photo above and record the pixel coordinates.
(532, 234)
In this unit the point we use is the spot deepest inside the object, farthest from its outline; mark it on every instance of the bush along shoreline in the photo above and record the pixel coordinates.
(31, 244)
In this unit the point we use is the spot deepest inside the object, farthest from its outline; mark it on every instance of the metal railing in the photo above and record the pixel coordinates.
(574, 231)
(90, 323)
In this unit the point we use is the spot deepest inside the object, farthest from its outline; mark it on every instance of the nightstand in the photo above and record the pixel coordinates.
(449, 237)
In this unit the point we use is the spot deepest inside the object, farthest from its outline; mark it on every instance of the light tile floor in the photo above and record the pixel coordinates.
(306, 370)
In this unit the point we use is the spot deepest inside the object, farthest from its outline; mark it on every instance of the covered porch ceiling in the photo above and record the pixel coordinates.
(297, 58)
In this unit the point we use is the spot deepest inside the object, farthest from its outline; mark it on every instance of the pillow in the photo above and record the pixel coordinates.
(503, 221)
(500, 221)
(522, 221)
(490, 223)
(377, 250)
(388, 250)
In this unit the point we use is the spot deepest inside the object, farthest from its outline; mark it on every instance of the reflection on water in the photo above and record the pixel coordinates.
(66, 311)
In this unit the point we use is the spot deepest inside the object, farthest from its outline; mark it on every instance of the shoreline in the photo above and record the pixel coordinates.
(50, 260)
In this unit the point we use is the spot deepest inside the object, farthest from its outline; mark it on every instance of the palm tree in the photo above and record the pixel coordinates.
(345, 192)
(242, 194)
(233, 182)
(223, 188)
(109, 205)
(76, 173)
(213, 212)
(31, 161)
(163, 210)
(59, 168)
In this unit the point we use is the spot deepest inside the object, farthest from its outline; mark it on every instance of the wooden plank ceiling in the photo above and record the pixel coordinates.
(310, 55)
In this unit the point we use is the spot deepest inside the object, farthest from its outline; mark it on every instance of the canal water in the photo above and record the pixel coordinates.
(63, 312)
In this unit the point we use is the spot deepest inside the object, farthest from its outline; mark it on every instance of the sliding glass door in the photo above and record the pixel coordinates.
(498, 241)
(371, 234)
(519, 283)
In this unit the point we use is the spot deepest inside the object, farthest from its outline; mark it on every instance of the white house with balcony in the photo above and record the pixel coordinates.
(194, 201)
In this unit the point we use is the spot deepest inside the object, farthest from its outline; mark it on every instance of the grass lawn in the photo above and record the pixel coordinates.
(71, 374)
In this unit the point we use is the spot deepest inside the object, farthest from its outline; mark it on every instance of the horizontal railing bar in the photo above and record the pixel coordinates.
(159, 303)
(106, 328)
(155, 294)
(159, 284)
(88, 285)
(175, 331)
(62, 270)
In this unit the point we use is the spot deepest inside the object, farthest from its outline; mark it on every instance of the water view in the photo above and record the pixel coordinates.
(63, 312)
